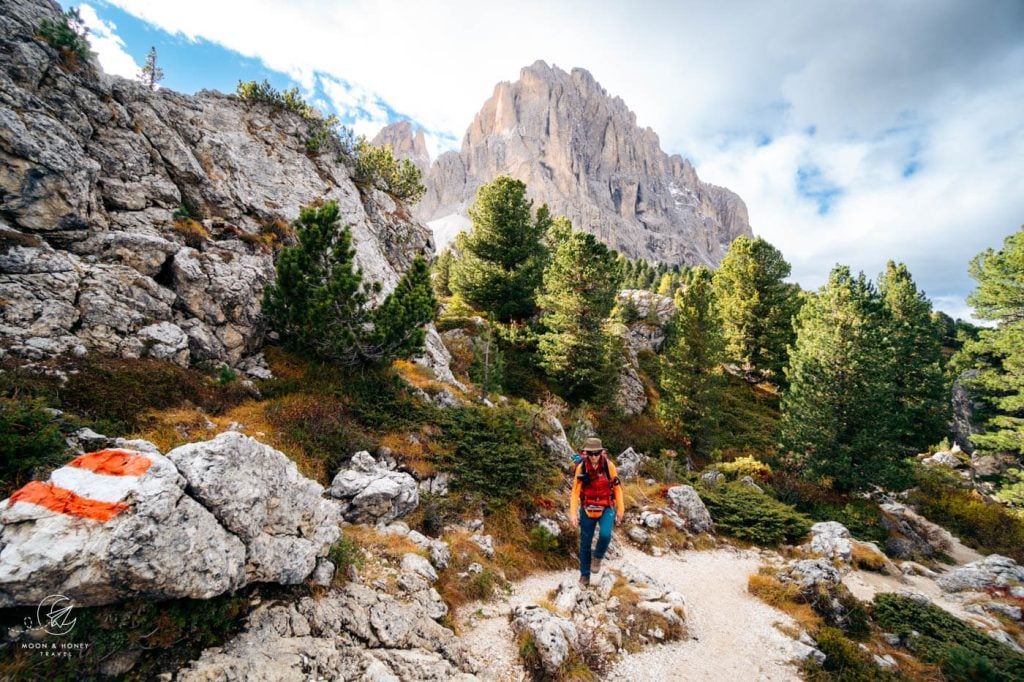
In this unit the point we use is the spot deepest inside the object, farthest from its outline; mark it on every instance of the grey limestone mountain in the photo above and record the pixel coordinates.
(92, 170)
(581, 151)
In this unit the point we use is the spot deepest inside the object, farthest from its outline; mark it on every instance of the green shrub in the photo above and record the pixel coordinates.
(984, 525)
(69, 35)
(492, 456)
(542, 540)
(30, 438)
(755, 517)
(345, 554)
(844, 660)
(377, 166)
(322, 133)
(963, 651)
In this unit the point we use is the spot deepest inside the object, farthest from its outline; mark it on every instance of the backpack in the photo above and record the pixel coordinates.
(594, 505)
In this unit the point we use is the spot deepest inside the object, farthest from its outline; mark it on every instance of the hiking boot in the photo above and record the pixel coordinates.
(584, 581)
(595, 567)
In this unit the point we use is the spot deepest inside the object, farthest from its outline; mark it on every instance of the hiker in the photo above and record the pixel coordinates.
(596, 501)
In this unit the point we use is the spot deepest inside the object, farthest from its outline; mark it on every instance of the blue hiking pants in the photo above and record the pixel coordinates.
(604, 537)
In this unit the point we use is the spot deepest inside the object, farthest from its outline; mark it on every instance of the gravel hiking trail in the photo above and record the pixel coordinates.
(734, 636)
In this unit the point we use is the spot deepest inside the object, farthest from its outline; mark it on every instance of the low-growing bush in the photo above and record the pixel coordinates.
(377, 166)
(321, 426)
(748, 515)
(844, 660)
(192, 232)
(744, 466)
(69, 35)
(30, 438)
(986, 526)
(115, 394)
(345, 554)
(492, 456)
(935, 636)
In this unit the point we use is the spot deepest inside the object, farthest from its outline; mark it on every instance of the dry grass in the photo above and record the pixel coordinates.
(167, 429)
(776, 594)
(412, 451)
(384, 552)
(192, 231)
(637, 494)
(423, 378)
(866, 558)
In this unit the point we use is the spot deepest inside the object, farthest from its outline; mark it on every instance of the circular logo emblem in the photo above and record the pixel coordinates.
(54, 615)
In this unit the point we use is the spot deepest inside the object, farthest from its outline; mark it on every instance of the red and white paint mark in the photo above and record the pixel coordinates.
(93, 486)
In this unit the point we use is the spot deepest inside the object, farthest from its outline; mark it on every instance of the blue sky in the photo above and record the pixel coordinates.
(856, 132)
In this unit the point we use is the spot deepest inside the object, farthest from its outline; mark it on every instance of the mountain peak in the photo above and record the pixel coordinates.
(579, 150)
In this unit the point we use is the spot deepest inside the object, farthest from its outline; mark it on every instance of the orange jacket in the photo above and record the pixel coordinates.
(577, 490)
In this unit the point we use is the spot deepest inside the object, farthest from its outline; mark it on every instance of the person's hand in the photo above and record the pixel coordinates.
(574, 521)
(618, 519)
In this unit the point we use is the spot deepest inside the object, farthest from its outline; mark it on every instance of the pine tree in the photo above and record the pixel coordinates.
(837, 410)
(997, 354)
(320, 305)
(151, 74)
(442, 274)
(580, 284)
(691, 378)
(502, 258)
(757, 306)
(920, 412)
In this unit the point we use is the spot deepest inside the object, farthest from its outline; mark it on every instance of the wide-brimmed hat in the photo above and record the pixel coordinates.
(592, 445)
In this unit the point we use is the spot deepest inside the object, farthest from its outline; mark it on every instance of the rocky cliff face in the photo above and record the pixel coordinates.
(581, 152)
(92, 169)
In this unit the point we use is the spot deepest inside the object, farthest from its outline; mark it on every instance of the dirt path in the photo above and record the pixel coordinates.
(734, 634)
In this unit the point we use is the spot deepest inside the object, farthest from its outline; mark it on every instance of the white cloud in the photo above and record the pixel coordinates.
(929, 86)
(109, 48)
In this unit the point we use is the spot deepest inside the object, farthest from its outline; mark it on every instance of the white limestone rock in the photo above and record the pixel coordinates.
(687, 503)
(259, 495)
(372, 493)
(50, 544)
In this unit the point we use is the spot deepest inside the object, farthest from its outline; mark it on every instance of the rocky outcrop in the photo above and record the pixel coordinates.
(581, 151)
(130, 523)
(593, 619)
(95, 167)
(351, 634)
(994, 571)
(373, 493)
(687, 504)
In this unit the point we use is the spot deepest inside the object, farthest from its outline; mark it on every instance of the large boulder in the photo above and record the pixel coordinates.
(911, 534)
(373, 493)
(629, 462)
(111, 525)
(831, 540)
(437, 358)
(553, 636)
(811, 576)
(259, 495)
(687, 503)
(994, 571)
